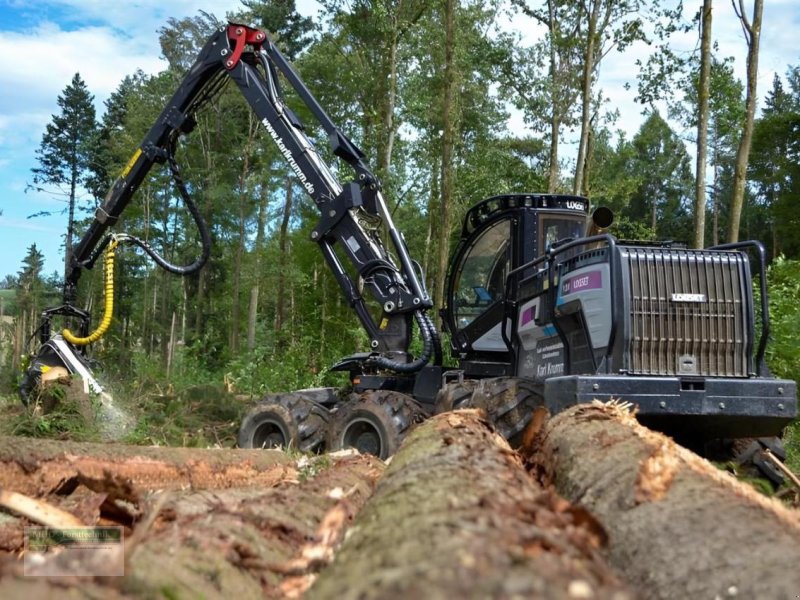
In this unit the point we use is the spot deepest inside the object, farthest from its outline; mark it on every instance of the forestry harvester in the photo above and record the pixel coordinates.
(541, 309)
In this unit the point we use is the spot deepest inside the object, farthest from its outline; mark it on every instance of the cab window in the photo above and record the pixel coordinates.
(558, 228)
(483, 273)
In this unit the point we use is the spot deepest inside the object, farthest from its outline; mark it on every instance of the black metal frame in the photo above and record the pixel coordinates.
(352, 215)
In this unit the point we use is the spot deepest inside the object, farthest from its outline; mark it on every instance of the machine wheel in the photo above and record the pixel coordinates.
(374, 422)
(508, 401)
(749, 454)
(285, 421)
(455, 395)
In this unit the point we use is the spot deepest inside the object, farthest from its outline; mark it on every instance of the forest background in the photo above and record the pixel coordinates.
(426, 89)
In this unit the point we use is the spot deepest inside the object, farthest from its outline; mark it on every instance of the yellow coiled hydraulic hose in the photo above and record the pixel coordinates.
(105, 323)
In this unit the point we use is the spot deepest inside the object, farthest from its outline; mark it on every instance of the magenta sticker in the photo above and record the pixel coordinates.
(528, 314)
(592, 280)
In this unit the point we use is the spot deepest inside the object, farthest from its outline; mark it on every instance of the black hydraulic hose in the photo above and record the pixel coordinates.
(425, 327)
(437, 341)
(202, 228)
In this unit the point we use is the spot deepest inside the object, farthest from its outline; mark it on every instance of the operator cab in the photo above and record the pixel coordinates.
(500, 234)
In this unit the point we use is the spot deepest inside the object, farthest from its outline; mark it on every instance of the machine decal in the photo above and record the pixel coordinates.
(593, 280)
(288, 156)
(131, 161)
(528, 315)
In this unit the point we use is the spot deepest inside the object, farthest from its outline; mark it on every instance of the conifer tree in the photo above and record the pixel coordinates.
(65, 151)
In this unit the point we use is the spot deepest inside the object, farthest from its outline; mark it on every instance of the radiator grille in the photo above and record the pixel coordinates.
(688, 313)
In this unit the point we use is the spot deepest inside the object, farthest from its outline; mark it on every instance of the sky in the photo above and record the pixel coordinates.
(46, 42)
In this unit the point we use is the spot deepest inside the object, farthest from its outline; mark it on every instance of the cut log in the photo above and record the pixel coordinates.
(228, 543)
(678, 526)
(37, 467)
(457, 516)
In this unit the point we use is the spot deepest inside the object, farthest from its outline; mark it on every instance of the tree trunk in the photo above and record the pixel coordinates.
(280, 309)
(555, 138)
(702, 128)
(244, 200)
(678, 526)
(38, 467)
(262, 540)
(449, 126)
(753, 36)
(457, 516)
(555, 120)
(586, 95)
(235, 322)
(388, 106)
(252, 315)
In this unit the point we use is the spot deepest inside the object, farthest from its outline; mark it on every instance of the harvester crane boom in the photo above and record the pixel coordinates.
(353, 215)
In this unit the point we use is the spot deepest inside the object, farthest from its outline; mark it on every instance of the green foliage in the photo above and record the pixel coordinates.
(296, 366)
(70, 417)
(198, 417)
(665, 181)
(775, 166)
(783, 353)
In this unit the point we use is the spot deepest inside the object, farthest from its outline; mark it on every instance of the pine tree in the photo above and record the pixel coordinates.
(65, 151)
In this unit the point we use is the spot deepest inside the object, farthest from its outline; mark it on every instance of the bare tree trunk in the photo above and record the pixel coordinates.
(19, 333)
(678, 527)
(555, 121)
(171, 345)
(752, 33)
(244, 200)
(385, 156)
(457, 516)
(252, 315)
(586, 95)
(702, 128)
(235, 324)
(555, 138)
(449, 126)
(654, 215)
(280, 309)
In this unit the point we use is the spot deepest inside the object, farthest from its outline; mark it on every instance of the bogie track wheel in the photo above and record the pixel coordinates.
(285, 421)
(374, 422)
(509, 402)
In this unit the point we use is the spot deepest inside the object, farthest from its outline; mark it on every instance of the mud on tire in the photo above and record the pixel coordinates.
(374, 422)
(285, 421)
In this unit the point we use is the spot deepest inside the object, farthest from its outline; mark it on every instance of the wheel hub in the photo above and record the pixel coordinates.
(269, 435)
(364, 437)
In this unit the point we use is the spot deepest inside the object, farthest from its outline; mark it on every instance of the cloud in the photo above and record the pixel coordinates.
(101, 57)
(31, 225)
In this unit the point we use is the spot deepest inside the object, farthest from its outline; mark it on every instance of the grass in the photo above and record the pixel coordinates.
(198, 417)
(201, 416)
(62, 413)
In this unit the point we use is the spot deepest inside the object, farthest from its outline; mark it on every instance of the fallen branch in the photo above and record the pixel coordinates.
(38, 511)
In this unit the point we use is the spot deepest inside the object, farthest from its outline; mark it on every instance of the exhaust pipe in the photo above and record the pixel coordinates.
(602, 218)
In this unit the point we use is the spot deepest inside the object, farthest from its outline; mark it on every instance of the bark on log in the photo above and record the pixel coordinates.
(37, 467)
(457, 516)
(231, 543)
(678, 526)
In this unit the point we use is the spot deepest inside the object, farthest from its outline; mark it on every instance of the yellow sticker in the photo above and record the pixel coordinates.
(384, 324)
(130, 163)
